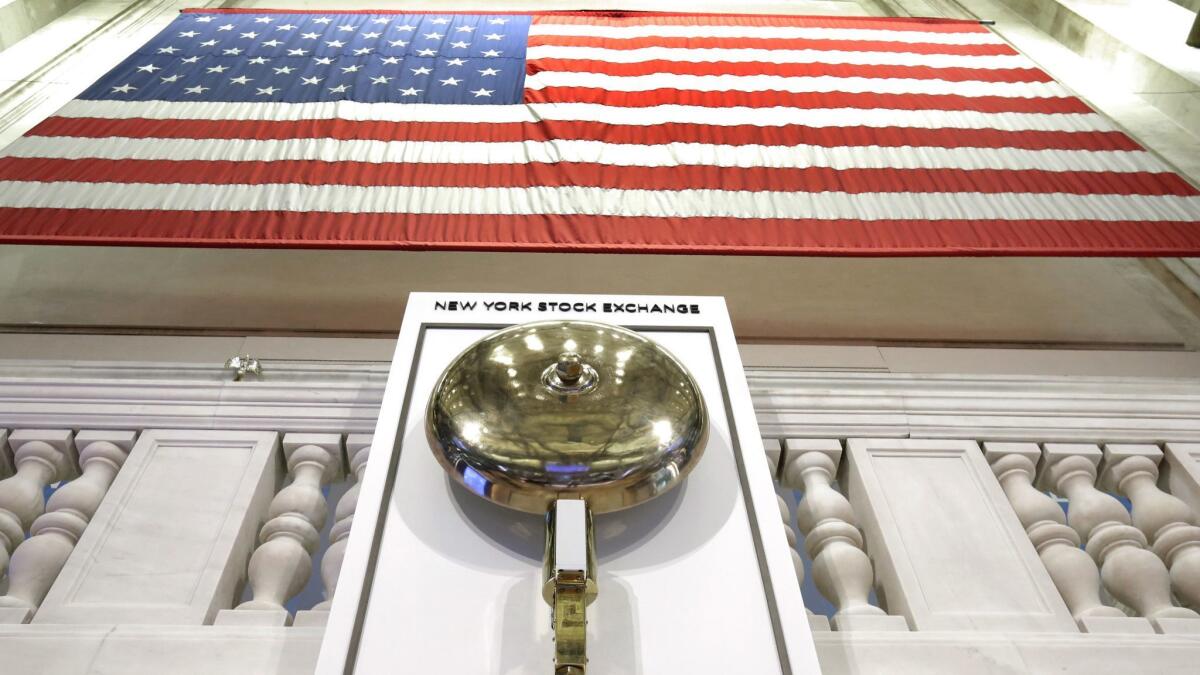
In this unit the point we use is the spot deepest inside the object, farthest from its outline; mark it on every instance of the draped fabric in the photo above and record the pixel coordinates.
(589, 131)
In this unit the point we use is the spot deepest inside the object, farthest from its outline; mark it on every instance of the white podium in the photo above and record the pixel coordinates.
(438, 580)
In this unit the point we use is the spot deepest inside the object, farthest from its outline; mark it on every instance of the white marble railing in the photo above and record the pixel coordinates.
(962, 536)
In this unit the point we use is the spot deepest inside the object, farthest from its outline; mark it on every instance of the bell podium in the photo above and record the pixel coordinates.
(482, 432)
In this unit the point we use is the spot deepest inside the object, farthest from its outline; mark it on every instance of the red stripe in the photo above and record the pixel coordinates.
(565, 174)
(790, 70)
(830, 137)
(805, 100)
(598, 234)
(998, 49)
(689, 19)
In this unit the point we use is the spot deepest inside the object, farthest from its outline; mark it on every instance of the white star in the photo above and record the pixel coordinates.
(323, 19)
(263, 19)
(267, 91)
(426, 52)
(494, 36)
(406, 28)
(489, 71)
(204, 19)
(310, 36)
(208, 43)
(482, 92)
(149, 68)
(381, 20)
(391, 60)
(227, 26)
(440, 21)
(363, 51)
(189, 33)
(455, 62)
(167, 50)
(433, 36)
(421, 71)
(450, 80)
(258, 60)
(190, 59)
(251, 35)
(398, 43)
(465, 29)
(311, 80)
(370, 36)
(459, 45)
(241, 79)
(347, 28)
(286, 26)
(498, 21)
(283, 70)
(411, 92)
(272, 43)
(196, 89)
(491, 52)
(323, 60)
(351, 69)
(339, 89)
(218, 69)
(170, 79)
(380, 80)
(124, 89)
(232, 52)
(335, 43)
(297, 52)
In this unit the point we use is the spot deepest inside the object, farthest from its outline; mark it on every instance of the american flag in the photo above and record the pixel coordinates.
(590, 132)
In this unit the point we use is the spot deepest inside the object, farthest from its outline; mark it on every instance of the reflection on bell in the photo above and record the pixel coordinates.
(567, 418)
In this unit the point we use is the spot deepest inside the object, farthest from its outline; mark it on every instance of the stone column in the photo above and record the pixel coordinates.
(1132, 575)
(1074, 573)
(1168, 523)
(42, 457)
(841, 569)
(38, 560)
(282, 563)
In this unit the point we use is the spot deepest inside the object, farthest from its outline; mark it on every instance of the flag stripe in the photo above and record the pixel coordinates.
(989, 49)
(764, 83)
(563, 174)
(899, 25)
(597, 152)
(545, 232)
(575, 200)
(541, 29)
(804, 100)
(548, 130)
(791, 70)
(778, 56)
(586, 112)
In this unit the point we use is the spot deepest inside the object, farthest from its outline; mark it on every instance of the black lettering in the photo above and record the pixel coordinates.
(526, 306)
(541, 306)
(695, 309)
(469, 305)
(438, 304)
(591, 307)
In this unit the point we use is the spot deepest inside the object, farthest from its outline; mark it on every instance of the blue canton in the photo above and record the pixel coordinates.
(300, 58)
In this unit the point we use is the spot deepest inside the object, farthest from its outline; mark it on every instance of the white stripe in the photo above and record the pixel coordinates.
(599, 201)
(544, 79)
(782, 32)
(589, 112)
(594, 152)
(777, 56)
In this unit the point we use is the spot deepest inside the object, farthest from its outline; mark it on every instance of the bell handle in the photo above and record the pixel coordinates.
(569, 581)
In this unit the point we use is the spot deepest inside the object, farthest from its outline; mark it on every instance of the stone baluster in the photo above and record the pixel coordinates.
(42, 457)
(841, 568)
(38, 560)
(1167, 522)
(358, 451)
(1132, 574)
(1074, 573)
(282, 564)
